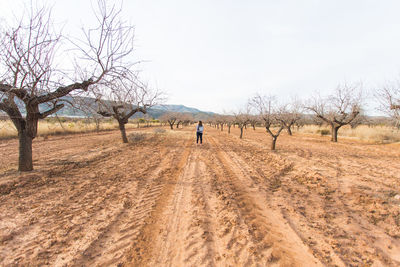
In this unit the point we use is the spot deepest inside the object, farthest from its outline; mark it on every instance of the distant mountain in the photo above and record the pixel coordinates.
(155, 112)
(179, 108)
(158, 110)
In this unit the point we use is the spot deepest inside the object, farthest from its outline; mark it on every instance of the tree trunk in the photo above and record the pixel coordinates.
(335, 130)
(229, 129)
(25, 152)
(273, 143)
(123, 132)
(172, 126)
(241, 133)
(254, 127)
(97, 122)
(289, 130)
(222, 127)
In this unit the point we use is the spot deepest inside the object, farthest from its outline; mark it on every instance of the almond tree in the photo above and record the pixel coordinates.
(30, 80)
(269, 112)
(290, 114)
(389, 98)
(89, 108)
(186, 118)
(242, 119)
(229, 121)
(253, 121)
(361, 119)
(220, 121)
(338, 109)
(183, 118)
(122, 98)
(170, 117)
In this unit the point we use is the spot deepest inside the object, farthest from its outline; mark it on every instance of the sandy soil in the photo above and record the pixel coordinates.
(165, 201)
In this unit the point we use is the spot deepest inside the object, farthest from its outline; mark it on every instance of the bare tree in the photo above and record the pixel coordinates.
(338, 109)
(219, 121)
(301, 122)
(183, 118)
(122, 98)
(30, 78)
(290, 114)
(229, 121)
(359, 120)
(254, 120)
(389, 98)
(242, 119)
(170, 117)
(89, 108)
(269, 112)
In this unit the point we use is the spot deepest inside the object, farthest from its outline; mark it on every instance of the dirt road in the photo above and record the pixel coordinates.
(165, 201)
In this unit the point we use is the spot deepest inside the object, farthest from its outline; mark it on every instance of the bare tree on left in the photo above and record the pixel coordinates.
(30, 77)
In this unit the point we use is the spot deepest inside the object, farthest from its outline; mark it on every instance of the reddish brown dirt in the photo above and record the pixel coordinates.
(165, 201)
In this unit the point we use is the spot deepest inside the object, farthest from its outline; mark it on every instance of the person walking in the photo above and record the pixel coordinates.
(199, 132)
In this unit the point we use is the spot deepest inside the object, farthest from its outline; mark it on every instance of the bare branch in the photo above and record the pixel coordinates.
(51, 111)
(338, 109)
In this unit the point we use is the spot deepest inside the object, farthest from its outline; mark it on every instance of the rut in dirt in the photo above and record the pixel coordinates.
(211, 219)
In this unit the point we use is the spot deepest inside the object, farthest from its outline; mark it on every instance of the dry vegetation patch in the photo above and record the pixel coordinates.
(379, 134)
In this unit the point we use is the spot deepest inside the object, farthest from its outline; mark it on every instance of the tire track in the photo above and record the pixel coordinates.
(269, 225)
(186, 238)
(96, 196)
(143, 249)
(318, 200)
(277, 187)
(117, 238)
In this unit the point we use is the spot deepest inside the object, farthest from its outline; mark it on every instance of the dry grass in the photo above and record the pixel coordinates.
(53, 127)
(380, 134)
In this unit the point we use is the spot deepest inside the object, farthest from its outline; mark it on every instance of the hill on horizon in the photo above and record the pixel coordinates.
(155, 112)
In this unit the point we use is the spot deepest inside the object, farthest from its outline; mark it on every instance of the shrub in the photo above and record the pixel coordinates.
(324, 132)
(159, 131)
(137, 137)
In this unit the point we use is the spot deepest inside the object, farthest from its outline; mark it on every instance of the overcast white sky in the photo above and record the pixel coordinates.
(215, 54)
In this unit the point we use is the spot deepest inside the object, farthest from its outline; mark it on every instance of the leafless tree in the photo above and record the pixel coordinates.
(269, 112)
(122, 98)
(359, 120)
(186, 118)
(220, 121)
(89, 108)
(229, 121)
(30, 78)
(170, 117)
(338, 109)
(389, 98)
(290, 114)
(254, 120)
(213, 121)
(242, 119)
(183, 118)
(301, 122)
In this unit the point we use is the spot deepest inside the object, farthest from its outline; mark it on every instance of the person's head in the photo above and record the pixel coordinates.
(200, 123)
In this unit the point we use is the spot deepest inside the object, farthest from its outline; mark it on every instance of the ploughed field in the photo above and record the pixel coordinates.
(162, 200)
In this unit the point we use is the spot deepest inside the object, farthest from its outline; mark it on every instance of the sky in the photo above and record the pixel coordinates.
(215, 54)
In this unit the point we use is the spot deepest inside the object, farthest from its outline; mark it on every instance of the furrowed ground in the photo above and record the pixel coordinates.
(162, 200)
